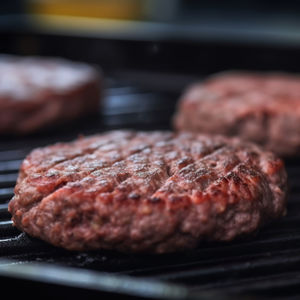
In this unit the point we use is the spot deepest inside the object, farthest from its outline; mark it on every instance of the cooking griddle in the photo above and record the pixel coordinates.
(264, 265)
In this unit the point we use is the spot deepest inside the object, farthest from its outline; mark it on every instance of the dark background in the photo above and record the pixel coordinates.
(190, 38)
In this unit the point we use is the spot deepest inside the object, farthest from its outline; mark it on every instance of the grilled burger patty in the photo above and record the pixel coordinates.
(263, 108)
(147, 192)
(37, 92)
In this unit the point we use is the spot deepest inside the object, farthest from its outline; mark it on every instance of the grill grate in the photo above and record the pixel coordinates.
(267, 264)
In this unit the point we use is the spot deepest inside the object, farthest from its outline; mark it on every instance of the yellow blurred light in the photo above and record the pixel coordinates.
(115, 9)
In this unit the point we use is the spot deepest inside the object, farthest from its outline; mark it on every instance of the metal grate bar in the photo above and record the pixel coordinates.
(6, 193)
(13, 154)
(10, 166)
(8, 180)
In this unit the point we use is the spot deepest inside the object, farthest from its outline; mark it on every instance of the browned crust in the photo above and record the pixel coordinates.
(49, 106)
(258, 107)
(147, 192)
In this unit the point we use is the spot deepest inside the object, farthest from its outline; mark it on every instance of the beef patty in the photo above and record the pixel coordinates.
(147, 192)
(263, 108)
(36, 92)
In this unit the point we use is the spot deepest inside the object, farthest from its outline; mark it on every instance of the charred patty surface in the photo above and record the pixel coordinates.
(38, 92)
(147, 192)
(259, 107)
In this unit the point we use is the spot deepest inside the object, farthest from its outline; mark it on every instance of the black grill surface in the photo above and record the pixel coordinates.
(266, 265)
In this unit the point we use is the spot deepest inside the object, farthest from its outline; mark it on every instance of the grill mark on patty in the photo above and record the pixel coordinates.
(40, 199)
(205, 184)
(87, 151)
(56, 185)
(211, 154)
(157, 181)
(86, 174)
